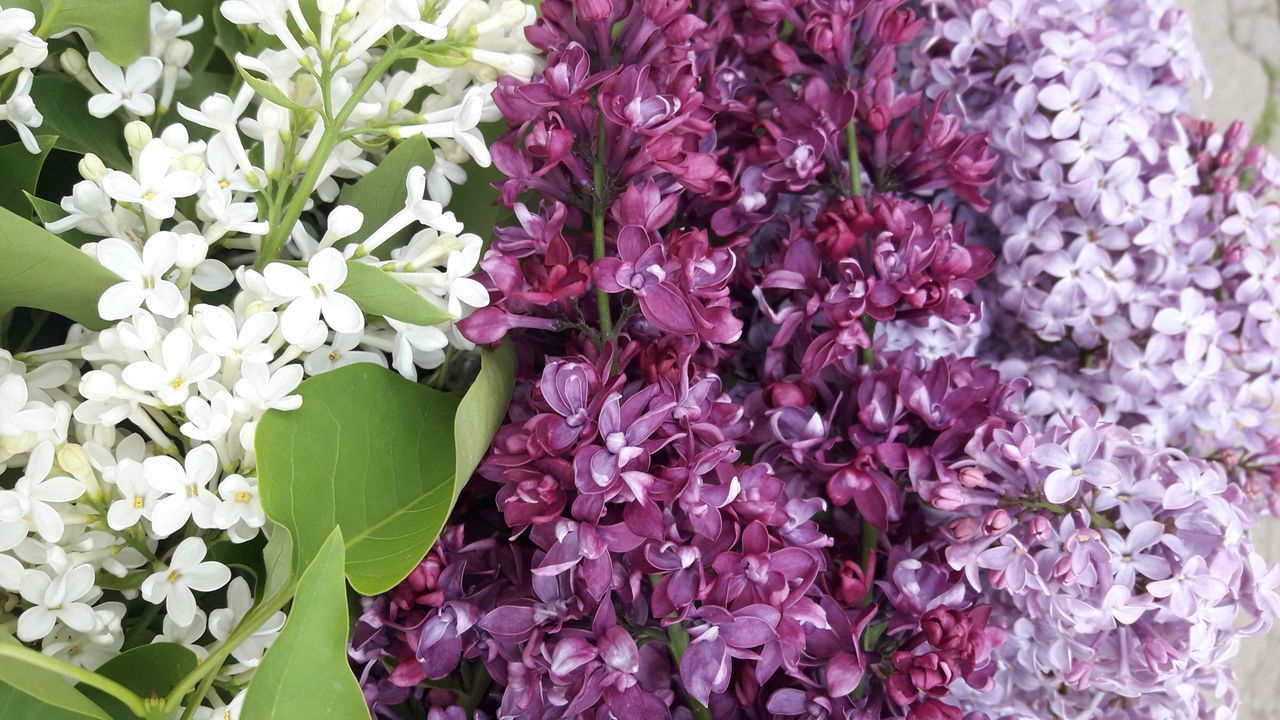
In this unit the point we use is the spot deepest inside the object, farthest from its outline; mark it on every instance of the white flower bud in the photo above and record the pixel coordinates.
(344, 221)
(179, 53)
(192, 250)
(73, 459)
(137, 134)
(98, 385)
(330, 7)
(92, 168)
(72, 62)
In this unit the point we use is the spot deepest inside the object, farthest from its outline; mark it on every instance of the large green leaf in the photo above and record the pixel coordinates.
(21, 172)
(67, 116)
(370, 452)
(120, 29)
(305, 674)
(482, 411)
(381, 193)
(151, 671)
(377, 293)
(27, 691)
(38, 270)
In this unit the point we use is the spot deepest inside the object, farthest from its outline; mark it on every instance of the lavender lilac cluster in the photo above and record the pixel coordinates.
(1137, 269)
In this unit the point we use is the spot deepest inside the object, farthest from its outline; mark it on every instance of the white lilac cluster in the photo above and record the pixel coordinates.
(133, 447)
(20, 52)
(1125, 576)
(1136, 265)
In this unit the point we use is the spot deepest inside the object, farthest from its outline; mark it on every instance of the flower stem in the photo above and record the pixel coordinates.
(26, 655)
(855, 166)
(210, 666)
(597, 228)
(273, 242)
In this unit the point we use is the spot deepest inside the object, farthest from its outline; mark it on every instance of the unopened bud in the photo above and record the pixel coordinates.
(137, 134)
(92, 168)
(72, 63)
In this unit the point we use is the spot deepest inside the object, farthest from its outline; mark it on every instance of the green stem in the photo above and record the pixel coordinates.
(870, 536)
(213, 663)
(24, 654)
(678, 641)
(135, 633)
(37, 324)
(476, 689)
(273, 243)
(597, 228)
(855, 166)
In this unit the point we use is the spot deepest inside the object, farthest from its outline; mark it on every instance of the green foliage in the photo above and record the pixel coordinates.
(380, 294)
(305, 674)
(27, 691)
(67, 116)
(374, 454)
(39, 270)
(21, 173)
(121, 29)
(370, 452)
(151, 671)
(381, 193)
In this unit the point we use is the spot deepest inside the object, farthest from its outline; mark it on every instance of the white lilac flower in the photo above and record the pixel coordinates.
(313, 295)
(155, 184)
(223, 621)
(58, 599)
(171, 373)
(129, 88)
(144, 277)
(184, 490)
(137, 496)
(240, 511)
(186, 571)
(36, 495)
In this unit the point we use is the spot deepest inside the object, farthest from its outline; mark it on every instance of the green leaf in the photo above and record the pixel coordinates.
(377, 293)
(38, 270)
(151, 671)
(121, 29)
(368, 451)
(67, 116)
(21, 172)
(47, 212)
(381, 193)
(269, 91)
(305, 674)
(278, 557)
(27, 691)
(482, 411)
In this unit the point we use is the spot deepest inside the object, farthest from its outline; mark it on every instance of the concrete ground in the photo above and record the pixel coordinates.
(1240, 41)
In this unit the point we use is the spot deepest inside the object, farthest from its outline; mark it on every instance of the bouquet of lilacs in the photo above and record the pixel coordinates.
(223, 200)
(875, 359)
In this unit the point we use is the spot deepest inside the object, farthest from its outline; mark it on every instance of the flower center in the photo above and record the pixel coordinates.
(137, 503)
(242, 497)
